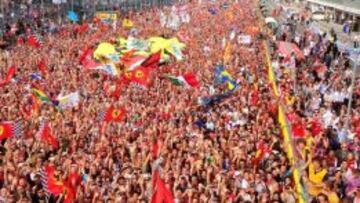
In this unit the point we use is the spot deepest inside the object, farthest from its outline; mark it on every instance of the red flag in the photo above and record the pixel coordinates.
(86, 59)
(112, 114)
(9, 75)
(9, 129)
(33, 41)
(117, 92)
(52, 184)
(161, 193)
(81, 28)
(85, 54)
(71, 183)
(70, 194)
(141, 77)
(73, 179)
(45, 135)
(42, 67)
(56, 186)
(152, 61)
(191, 79)
(6, 130)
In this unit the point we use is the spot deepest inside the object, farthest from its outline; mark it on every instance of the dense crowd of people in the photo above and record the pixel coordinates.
(317, 89)
(229, 149)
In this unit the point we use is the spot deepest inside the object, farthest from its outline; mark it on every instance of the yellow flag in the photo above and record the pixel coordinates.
(127, 23)
(103, 50)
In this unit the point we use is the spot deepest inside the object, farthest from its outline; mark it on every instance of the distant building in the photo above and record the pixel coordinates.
(340, 11)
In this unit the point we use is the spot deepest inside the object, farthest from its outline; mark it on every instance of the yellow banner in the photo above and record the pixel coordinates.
(283, 124)
(106, 15)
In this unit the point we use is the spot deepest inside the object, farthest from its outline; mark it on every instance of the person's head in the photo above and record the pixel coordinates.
(322, 198)
(317, 164)
(301, 143)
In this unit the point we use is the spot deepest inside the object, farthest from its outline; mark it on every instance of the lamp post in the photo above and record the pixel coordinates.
(2, 16)
(355, 62)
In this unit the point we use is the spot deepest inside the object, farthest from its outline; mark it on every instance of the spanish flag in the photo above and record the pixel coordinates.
(112, 114)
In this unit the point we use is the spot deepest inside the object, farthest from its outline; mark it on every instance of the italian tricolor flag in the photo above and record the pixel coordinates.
(188, 79)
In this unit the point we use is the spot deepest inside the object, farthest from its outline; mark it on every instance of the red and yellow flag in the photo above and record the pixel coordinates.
(6, 130)
(113, 114)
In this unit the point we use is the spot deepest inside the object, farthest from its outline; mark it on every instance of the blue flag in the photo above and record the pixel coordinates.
(72, 16)
(35, 76)
(223, 76)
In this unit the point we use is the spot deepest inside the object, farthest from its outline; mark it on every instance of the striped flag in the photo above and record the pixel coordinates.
(52, 185)
(112, 114)
(42, 96)
(9, 129)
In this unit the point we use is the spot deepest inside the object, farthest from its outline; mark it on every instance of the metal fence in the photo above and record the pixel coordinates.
(26, 10)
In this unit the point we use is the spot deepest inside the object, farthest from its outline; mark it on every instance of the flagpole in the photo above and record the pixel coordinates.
(348, 114)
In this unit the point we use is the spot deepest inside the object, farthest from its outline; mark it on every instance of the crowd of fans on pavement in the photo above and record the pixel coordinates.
(231, 150)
